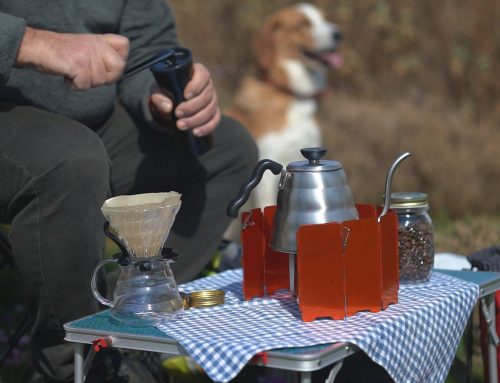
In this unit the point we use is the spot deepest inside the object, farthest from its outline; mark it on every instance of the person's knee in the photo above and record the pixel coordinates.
(86, 168)
(78, 161)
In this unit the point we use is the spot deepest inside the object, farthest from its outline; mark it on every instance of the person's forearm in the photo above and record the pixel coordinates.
(31, 46)
(84, 60)
(150, 26)
(12, 30)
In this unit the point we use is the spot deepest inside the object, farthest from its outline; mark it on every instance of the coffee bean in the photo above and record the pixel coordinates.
(416, 249)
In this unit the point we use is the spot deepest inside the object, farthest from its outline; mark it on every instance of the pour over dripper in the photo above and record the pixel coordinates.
(146, 290)
(143, 221)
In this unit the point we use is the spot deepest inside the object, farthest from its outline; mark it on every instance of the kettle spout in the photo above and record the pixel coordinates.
(388, 183)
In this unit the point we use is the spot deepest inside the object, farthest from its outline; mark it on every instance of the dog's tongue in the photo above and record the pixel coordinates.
(333, 59)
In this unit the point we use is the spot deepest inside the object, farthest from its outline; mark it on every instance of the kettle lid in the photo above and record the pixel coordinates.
(314, 162)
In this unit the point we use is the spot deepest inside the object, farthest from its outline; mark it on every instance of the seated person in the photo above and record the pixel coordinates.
(73, 134)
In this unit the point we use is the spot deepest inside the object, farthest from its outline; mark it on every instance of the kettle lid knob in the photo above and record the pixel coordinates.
(313, 154)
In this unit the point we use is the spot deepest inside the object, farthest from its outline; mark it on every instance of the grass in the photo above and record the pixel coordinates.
(468, 234)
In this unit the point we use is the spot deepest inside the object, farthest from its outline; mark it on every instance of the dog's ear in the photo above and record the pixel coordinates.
(264, 43)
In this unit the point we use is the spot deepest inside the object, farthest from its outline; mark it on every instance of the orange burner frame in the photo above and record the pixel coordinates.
(341, 268)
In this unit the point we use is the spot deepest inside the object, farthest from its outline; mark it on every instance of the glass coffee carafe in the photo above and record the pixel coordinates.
(146, 291)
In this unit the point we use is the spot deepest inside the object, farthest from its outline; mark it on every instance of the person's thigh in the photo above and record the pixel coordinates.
(54, 177)
(144, 160)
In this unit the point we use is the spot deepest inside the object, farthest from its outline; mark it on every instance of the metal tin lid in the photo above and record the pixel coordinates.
(206, 298)
(314, 163)
(408, 200)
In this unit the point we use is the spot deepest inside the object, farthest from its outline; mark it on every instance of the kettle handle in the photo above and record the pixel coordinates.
(246, 188)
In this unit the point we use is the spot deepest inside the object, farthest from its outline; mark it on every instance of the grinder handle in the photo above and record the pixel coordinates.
(172, 76)
(246, 188)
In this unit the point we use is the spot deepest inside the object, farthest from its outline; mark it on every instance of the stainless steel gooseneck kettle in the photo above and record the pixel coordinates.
(310, 192)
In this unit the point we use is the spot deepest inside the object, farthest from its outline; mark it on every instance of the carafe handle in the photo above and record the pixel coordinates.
(93, 283)
(246, 188)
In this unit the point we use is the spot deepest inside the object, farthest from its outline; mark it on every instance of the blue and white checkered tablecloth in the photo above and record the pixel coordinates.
(414, 340)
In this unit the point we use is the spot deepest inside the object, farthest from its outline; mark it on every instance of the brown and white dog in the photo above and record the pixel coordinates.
(294, 50)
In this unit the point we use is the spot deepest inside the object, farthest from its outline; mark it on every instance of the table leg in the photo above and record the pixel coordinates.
(492, 349)
(305, 377)
(79, 361)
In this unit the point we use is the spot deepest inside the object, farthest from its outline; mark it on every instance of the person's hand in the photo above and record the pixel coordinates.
(200, 112)
(84, 60)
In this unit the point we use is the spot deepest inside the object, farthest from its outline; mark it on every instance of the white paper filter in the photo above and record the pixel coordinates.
(143, 221)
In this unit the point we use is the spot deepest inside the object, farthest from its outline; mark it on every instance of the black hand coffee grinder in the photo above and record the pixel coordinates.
(173, 69)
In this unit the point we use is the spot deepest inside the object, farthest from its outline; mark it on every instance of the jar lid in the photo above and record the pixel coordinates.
(408, 200)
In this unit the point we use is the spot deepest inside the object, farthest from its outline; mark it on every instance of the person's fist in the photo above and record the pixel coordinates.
(199, 113)
(84, 60)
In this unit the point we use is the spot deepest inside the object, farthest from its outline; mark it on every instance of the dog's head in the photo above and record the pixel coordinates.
(295, 47)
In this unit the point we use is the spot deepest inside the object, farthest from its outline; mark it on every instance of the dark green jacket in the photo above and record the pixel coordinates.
(147, 23)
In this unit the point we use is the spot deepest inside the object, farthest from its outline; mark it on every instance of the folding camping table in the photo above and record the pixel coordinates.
(303, 360)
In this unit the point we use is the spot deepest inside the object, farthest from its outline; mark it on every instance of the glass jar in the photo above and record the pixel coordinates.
(415, 236)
